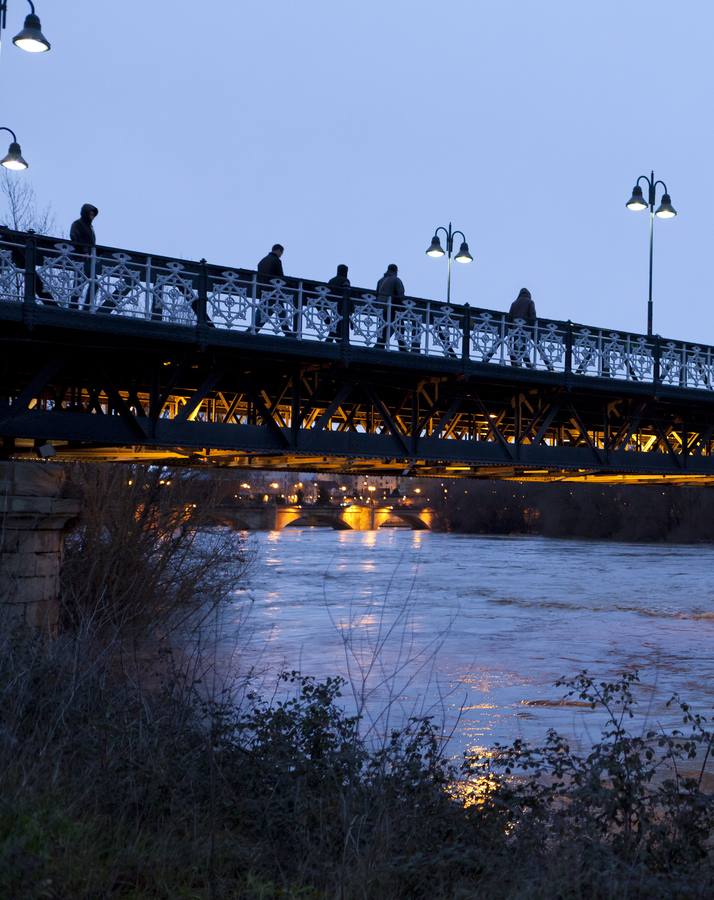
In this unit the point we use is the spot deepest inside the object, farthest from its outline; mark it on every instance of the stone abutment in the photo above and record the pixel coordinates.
(33, 519)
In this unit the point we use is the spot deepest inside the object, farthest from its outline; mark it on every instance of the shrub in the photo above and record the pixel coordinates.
(111, 790)
(144, 556)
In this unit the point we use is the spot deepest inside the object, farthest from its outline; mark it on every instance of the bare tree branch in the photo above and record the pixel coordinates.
(21, 212)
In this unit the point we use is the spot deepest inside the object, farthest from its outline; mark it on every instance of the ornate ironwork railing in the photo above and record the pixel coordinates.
(41, 271)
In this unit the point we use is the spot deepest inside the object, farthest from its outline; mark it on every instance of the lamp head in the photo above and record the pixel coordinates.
(463, 256)
(636, 201)
(31, 38)
(665, 210)
(435, 249)
(13, 160)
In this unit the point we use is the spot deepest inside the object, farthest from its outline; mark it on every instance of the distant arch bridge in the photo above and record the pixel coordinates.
(351, 517)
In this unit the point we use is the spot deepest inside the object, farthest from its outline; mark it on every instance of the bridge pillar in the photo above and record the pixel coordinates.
(33, 517)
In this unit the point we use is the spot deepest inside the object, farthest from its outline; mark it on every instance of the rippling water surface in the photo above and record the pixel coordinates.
(476, 630)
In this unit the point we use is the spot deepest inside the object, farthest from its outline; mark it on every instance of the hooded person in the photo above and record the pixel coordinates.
(390, 284)
(523, 306)
(519, 337)
(340, 280)
(390, 291)
(81, 234)
(339, 283)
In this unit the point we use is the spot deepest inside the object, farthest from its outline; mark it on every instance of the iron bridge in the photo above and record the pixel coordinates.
(121, 355)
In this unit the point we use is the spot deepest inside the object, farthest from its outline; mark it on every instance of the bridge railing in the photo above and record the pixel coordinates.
(37, 270)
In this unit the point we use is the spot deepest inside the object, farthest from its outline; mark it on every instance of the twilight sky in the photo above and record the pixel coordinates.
(349, 129)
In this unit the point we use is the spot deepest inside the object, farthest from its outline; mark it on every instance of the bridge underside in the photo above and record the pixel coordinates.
(120, 391)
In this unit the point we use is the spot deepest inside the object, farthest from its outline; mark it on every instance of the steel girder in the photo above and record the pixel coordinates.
(122, 395)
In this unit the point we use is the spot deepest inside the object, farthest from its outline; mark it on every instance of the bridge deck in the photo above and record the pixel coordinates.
(124, 355)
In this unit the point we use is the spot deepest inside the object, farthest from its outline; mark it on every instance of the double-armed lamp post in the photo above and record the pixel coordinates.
(31, 40)
(435, 249)
(665, 210)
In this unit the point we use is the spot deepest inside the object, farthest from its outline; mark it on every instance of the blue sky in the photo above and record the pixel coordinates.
(348, 130)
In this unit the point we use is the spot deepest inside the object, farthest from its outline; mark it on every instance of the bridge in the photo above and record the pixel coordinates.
(347, 517)
(124, 355)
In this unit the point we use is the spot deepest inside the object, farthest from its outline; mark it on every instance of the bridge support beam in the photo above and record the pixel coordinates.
(33, 517)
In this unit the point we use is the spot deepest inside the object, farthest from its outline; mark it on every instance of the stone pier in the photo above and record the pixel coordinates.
(33, 517)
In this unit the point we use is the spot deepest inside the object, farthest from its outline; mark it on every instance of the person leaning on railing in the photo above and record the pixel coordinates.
(390, 290)
(338, 283)
(522, 308)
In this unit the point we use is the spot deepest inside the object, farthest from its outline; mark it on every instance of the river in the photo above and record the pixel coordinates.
(475, 630)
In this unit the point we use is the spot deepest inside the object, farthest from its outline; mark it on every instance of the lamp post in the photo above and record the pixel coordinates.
(30, 38)
(13, 159)
(665, 210)
(435, 249)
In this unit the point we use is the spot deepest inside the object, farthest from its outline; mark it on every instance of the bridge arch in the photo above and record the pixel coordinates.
(417, 520)
(314, 519)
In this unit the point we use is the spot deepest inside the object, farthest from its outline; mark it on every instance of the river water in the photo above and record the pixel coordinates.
(476, 630)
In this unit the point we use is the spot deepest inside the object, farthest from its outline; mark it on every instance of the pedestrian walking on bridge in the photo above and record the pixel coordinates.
(82, 236)
(281, 310)
(270, 265)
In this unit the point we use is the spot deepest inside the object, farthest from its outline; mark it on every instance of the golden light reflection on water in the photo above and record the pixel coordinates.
(476, 790)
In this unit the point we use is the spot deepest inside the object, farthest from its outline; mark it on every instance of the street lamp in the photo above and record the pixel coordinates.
(436, 250)
(665, 210)
(13, 160)
(30, 38)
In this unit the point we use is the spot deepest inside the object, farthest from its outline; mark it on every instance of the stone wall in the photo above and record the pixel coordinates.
(33, 517)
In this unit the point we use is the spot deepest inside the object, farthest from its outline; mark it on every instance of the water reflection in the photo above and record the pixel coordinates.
(478, 629)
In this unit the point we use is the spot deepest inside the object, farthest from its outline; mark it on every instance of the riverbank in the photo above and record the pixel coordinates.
(205, 774)
(623, 513)
(112, 789)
